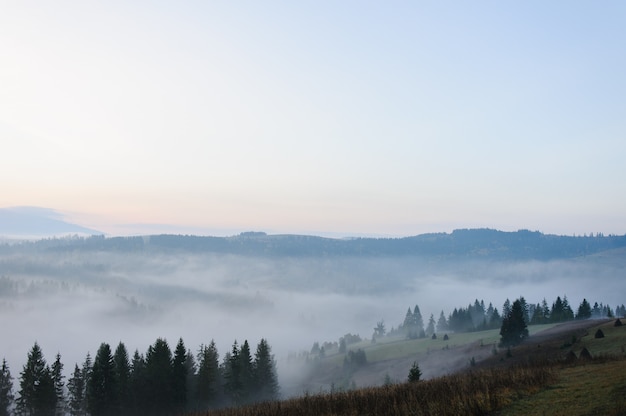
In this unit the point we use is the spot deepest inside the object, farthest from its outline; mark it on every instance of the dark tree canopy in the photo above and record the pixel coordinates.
(414, 373)
(514, 329)
(6, 389)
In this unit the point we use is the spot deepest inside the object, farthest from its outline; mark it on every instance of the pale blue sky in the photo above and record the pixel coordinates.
(342, 117)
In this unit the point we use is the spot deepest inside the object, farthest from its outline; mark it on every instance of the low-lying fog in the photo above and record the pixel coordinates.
(70, 302)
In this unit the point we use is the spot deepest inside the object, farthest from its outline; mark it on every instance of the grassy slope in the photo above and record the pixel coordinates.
(523, 384)
(392, 357)
(597, 387)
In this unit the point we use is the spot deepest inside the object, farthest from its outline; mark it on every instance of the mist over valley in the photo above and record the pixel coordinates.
(70, 294)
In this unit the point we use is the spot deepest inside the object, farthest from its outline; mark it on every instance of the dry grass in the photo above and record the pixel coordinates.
(596, 387)
(471, 393)
(534, 382)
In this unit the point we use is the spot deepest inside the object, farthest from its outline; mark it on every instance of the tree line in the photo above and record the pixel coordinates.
(478, 317)
(159, 382)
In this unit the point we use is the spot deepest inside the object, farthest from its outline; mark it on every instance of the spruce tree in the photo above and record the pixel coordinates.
(59, 385)
(265, 379)
(584, 310)
(37, 395)
(557, 313)
(122, 375)
(514, 328)
(414, 373)
(86, 372)
(138, 384)
(76, 392)
(246, 376)
(418, 322)
(232, 374)
(191, 381)
(208, 381)
(159, 378)
(179, 377)
(430, 329)
(442, 323)
(102, 390)
(6, 389)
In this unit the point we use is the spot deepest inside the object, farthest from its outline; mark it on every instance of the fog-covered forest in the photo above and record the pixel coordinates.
(72, 294)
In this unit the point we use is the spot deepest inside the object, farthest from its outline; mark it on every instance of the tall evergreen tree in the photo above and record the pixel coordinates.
(546, 311)
(159, 378)
(246, 376)
(208, 382)
(537, 316)
(6, 389)
(86, 371)
(513, 329)
(477, 314)
(122, 375)
(232, 374)
(265, 379)
(442, 323)
(584, 310)
(76, 393)
(418, 322)
(506, 308)
(409, 325)
(59, 385)
(191, 382)
(179, 377)
(37, 395)
(525, 309)
(430, 328)
(102, 390)
(568, 313)
(557, 314)
(138, 385)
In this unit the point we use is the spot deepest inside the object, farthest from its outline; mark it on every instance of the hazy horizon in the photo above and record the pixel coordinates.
(316, 117)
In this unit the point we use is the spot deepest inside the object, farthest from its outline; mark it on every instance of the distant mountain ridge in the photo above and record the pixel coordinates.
(460, 244)
(36, 222)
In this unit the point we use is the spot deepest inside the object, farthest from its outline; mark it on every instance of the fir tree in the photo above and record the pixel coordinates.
(86, 371)
(59, 385)
(245, 368)
(138, 384)
(179, 377)
(414, 373)
(76, 393)
(6, 389)
(442, 323)
(418, 322)
(208, 381)
(513, 329)
(159, 378)
(584, 310)
(102, 390)
(557, 313)
(265, 379)
(232, 374)
(122, 375)
(191, 381)
(37, 395)
(430, 329)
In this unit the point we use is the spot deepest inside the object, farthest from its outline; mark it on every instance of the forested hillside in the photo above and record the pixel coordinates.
(479, 243)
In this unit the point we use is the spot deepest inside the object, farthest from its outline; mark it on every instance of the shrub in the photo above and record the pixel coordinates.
(415, 373)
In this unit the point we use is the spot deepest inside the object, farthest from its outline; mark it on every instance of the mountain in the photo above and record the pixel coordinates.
(466, 244)
(36, 222)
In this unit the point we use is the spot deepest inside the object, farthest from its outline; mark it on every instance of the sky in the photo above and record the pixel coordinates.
(321, 117)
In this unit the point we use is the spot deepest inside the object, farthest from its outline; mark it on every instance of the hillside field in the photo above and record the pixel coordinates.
(534, 378)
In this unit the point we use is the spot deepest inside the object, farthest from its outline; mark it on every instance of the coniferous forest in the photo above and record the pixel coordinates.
(157, 382)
